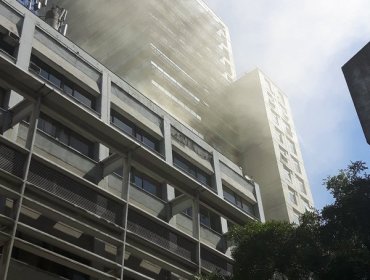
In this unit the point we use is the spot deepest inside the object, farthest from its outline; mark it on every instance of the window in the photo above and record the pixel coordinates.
(279, 135)
(287, 173)
(65, 135)
(283, 154)
(292, 196)
(207, 218)
(192, 170)
(297, 167)
(295, 218)
(306, 205)
(57, 79)
(301, 185)
(292, 147)
(131, 129)
(8, 41)
(238, 201)
(146, 183)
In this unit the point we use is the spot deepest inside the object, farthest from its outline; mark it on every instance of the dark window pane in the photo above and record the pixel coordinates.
(80, 145)
(63, 136)
(47, 126)
(229, 196)
(248, 207)
(150, 187)
(138, 181)
(151, 143)
(122, 125)
(54, 80)
(68, 89)
(44, 74)
(180, 163)
(82, 98)
(203, 178)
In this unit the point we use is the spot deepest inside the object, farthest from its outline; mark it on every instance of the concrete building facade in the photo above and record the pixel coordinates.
(357, 74)
(180, 57)
(175, 54)
(268, 145)
(96, 180)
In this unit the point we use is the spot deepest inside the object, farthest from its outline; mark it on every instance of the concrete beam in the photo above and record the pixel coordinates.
(180, 203)
(67, 262)
(20, 111)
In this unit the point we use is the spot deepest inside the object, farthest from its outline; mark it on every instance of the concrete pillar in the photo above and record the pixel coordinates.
(196, 229)
(261, 213)
(217, 181)
(126, 196)
(26, 42)
(170, 195)
(23, 61)
(8, 248)
(105, 117)
(167, 141)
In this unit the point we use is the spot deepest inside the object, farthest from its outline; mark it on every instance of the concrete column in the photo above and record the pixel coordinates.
(105, 117)
(261, 213)
(17, 205)
(26, 41)
(196, 229)
(167, 141)
(23, 61)
(170, 195)
(217, 181)
(126, 196)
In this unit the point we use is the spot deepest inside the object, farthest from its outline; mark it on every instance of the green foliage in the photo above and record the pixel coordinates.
(333, 244)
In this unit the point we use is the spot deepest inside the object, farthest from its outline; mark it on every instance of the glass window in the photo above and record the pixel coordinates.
(65, 135)
(192, 170)
(67, 86)
(142, 181)
(292, 197)
(229, 195)
(54, 80)
(301, 185)
(287, 173)
(130, 128)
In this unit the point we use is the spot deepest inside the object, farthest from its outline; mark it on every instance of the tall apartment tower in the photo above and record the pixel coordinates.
(96, 180)
(268, 145)
(177, 54)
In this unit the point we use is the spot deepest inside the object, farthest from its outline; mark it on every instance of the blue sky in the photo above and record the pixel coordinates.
(302, 45)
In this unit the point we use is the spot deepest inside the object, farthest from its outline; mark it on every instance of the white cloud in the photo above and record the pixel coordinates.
(302, 45)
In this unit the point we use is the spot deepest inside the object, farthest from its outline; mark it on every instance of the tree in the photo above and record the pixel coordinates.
(333, 244)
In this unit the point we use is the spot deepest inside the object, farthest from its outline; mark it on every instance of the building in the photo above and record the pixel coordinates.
(357, 74)
(177, 55)
(268, 145)
(96, 180)
(180, 57)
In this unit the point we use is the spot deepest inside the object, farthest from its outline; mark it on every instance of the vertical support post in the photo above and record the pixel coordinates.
(196, 229)
(126, 196)
(261, 212)
(105, 117)
(167, 140)
(23, 61)
(5, 259)
(218, 183)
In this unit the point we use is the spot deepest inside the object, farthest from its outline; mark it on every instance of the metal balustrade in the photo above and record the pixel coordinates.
(69, 190)
(159, 240)
(11, 160)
